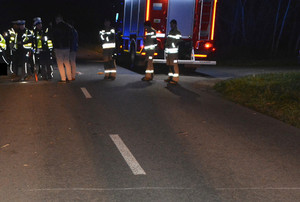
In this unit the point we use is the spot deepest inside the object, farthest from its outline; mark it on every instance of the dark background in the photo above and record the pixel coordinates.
(250, 29)
(88, 15)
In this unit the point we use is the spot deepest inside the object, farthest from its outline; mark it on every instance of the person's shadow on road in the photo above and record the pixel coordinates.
(183, 93)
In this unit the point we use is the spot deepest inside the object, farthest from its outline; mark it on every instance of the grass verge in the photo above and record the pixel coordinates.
(277, 95)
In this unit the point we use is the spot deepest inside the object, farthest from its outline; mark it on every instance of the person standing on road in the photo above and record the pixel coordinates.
(43, 47)
(62, 37)
(150, 44)
(73, 50)
(171, 50)
(10, 37)
(107, 39)
(23, 46)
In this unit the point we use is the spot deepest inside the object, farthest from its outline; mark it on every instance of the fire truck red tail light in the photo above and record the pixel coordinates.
(208, 45)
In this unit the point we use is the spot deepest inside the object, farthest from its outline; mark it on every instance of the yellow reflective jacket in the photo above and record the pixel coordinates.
(41, 41)
(23, 39)
(2, 43)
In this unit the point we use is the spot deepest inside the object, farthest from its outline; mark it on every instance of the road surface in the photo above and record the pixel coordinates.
(128, 140)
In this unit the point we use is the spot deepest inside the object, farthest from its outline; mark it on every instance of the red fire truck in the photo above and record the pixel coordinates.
(195, 19)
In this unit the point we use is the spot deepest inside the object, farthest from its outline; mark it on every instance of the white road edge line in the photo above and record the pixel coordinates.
(127, 155)
(86, 93)
(111, 189)
(258, 188)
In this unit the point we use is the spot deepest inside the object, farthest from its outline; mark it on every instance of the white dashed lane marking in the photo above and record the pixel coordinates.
(127, 155)
(86, 93)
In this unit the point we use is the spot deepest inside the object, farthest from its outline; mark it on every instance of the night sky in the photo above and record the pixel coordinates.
(88, 15)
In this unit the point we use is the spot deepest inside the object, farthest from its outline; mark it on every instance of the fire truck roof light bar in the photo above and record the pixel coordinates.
(213, 21)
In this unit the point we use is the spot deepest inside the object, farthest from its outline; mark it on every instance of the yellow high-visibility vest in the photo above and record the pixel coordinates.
(2, 43)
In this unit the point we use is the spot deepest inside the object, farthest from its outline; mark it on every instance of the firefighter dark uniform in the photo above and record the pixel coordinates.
(43, 47)
(107, 38)
(2, 49)
(171, 49)
(150, 44)
(23, 46)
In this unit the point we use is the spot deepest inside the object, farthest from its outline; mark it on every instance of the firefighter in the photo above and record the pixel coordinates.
(171, 49)
(23, 46)
(150, 44)
(10, 37)
(42, 48)
(107, 38)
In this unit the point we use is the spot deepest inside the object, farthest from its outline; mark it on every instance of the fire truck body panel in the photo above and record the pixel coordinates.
(181, 11)
(195, 19)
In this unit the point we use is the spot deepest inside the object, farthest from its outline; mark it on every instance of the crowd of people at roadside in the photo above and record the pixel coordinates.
(32, 51)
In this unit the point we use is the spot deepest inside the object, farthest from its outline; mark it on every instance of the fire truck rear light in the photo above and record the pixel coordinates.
(200, 56)
(121, 46)
(213, 49)
(208, 45)
(143, 53)
(155, 54)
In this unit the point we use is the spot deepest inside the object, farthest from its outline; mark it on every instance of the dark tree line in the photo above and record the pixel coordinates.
(256, 28)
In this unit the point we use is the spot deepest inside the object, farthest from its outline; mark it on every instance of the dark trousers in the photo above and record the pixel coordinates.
(20, 59)
(44, 64)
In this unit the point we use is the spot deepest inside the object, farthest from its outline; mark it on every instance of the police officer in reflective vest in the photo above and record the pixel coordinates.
(107, 38)
(171, 49)
(43, 47)
(150, 44)
(23, 46)
(10, 37)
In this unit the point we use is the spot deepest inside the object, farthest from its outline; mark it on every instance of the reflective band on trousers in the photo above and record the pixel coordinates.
(173, 75)
(110, 71)
(150, 47)
(109, 45)
(171, 50)
(149, 71)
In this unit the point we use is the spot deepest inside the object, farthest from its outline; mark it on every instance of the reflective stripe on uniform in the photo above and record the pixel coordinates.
(160, 35)
(173, 74)
(149, 71)
(110, 71)
(171, 50)
(174, 36)
(109, 45)
(150, 47)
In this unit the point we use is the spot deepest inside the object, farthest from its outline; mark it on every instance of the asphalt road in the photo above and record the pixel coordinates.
(128, 140)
